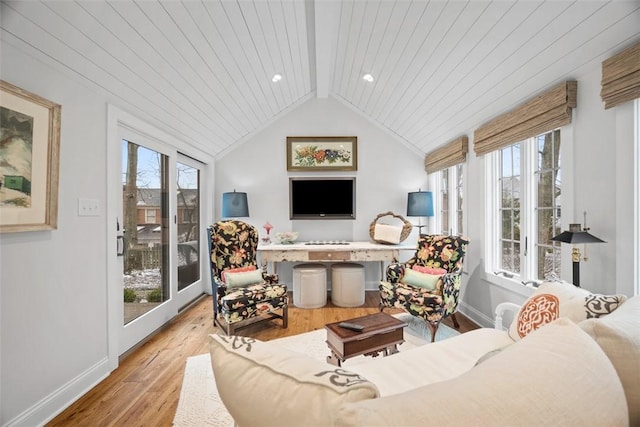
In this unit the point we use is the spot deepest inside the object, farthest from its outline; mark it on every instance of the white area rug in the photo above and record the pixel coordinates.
(200, 404)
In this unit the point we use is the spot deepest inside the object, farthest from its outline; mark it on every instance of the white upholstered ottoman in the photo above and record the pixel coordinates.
(309, 285)
(347, 284)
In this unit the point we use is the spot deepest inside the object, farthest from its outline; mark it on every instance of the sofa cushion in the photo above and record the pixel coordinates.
(619, 336)
(431, 363)
(556, 375)
(552, 300)
(262, 384)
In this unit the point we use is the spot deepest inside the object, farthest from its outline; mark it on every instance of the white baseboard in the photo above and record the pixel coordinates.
(475, 315)
(53, 404)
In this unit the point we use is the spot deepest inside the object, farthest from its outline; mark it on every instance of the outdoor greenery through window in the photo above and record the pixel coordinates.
(548, 183)
(529, 184)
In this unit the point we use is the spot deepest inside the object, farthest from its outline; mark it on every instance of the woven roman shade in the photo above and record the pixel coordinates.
(543, 113)
(621, 77)
(450, 154)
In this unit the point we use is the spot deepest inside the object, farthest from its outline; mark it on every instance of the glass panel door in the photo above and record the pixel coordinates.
(146, 229)
(188, 221)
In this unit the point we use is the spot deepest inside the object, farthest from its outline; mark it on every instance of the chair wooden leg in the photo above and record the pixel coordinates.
(285, 317)
(217, 323)
(455, 321)
(434, 329)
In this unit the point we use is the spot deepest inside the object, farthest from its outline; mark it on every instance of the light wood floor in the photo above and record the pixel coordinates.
(145, 388)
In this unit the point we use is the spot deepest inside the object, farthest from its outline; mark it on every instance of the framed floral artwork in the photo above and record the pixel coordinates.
(29, 160)
(322, 153)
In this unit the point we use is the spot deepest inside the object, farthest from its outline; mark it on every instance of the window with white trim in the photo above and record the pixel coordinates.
(526, 207)
(449, 183)
(150, 215)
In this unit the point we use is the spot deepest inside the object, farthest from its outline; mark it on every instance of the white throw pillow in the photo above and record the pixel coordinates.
(555, 376)
(619, 336)
(387, 233)
(421, 280)
(261, 384)
(244, 278)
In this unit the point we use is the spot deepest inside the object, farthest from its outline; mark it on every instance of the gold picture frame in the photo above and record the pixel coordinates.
(322, 153)
(29, 166)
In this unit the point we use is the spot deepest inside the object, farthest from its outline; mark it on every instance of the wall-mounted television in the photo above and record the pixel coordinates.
(322, 198)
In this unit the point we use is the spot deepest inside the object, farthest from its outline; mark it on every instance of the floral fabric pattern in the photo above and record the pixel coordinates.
(233, 244)
(312, 155)
(445, 252)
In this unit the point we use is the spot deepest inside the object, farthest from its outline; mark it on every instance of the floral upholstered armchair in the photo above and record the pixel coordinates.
(241, 290)
(432, 287)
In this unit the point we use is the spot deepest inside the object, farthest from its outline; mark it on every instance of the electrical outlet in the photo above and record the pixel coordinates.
(88, 207)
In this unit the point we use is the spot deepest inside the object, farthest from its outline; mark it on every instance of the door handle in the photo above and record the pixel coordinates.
(120, 246)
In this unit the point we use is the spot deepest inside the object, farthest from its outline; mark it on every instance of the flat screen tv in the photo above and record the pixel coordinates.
(322, 198)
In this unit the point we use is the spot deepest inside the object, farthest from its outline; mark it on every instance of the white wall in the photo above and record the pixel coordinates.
(383, 179)
(54, 331)
(597, 163)
(53, 283)
(597, 176)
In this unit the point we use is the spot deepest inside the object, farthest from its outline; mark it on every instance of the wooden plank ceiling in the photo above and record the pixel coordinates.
(202, 70)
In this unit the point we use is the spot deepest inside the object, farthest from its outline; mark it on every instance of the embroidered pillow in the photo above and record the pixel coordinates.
(429, 270)
(257, 381)
(242, 279)
(422, 280)
(236, 270)
(553, 300)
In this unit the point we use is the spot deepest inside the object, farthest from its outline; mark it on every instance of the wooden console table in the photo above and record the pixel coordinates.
(350, 252)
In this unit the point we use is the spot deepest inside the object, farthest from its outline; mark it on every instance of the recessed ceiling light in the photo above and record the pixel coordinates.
(276, 78)
(367, 78)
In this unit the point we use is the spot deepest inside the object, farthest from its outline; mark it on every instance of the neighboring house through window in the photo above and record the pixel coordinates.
(150, 216)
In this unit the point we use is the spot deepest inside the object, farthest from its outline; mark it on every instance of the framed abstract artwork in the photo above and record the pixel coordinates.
(322, 153)
(29, 160)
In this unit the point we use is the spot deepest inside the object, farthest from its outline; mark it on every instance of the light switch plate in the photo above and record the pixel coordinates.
(88, 207)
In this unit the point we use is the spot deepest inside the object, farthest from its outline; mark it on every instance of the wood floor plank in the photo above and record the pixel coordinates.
(145, 389)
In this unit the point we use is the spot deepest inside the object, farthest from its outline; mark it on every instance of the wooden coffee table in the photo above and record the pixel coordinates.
(381, 333)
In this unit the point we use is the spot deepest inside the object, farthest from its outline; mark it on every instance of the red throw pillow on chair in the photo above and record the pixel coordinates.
(429, 270)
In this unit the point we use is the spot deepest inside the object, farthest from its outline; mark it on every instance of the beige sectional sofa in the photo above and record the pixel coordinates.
(563, 373)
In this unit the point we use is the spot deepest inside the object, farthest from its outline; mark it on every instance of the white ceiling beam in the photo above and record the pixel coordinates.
(327, 15)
